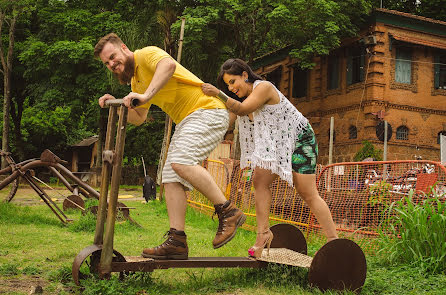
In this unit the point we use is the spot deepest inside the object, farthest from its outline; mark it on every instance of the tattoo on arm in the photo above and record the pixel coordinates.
(234, 107)
(152, 92)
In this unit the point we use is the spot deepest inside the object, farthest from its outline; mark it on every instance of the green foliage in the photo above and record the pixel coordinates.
(9, 269)
(135, 283)
(144, 140)
(368, 150)
(380, 193)
(217, 30)
(13, 214)
(85, 223)
(91, 202)
(414, 234)
(61, 275)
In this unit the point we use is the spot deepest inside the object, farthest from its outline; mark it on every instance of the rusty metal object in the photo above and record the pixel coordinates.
(94, 252)
(49, 156)
(338, 265)
(123, 211)
(138, 263)
(73, 202)
(107, 249)
(48, 160)
(288, 236)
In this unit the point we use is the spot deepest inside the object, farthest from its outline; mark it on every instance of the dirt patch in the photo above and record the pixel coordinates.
(21, 285)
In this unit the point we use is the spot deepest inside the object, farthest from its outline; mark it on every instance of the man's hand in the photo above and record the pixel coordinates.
(209, 89)
(142, 99)
(103, 98)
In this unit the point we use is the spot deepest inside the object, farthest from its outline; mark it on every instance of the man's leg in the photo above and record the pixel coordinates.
(201, 179)
(230, 217)
(176, 204)
(175, 246)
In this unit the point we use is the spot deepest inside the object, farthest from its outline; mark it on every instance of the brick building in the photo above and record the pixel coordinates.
(395, 69)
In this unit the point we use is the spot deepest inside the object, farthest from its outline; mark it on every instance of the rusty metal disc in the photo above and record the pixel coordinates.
(123, 211)
(288, 236)
(338, 265)
(73, 202)
(94, 251)
(93, 210)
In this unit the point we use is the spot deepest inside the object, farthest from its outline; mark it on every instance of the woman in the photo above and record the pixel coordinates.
(276, 140)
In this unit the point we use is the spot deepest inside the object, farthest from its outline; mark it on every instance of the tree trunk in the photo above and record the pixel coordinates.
(7, 74)
(16, 116)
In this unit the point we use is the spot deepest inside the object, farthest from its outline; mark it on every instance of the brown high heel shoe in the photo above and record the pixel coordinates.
(256, 251)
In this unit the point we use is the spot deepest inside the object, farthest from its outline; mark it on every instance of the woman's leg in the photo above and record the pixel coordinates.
(262, 181)
(306, 187)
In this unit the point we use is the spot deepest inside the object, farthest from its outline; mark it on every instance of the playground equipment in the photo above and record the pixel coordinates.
(55, 165)
(339, 264)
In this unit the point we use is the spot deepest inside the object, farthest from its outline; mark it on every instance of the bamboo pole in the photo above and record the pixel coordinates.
(168, 132)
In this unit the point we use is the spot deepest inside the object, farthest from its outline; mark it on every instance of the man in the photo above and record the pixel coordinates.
(201, 122)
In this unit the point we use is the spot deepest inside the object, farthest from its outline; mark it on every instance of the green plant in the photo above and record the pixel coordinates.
(9, 270)
(86, 223)
(415, 234)
(379, 193)
(368, 150)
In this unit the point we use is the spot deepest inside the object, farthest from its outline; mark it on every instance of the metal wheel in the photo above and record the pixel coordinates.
(14, 186)
(82, 268)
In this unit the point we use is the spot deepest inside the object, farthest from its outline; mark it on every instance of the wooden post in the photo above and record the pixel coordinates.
(168, 131)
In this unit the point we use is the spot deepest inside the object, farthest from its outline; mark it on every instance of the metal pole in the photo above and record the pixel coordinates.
(385, 140)
(385, 149)
(330, 149)
(169, 123)
(442, 149)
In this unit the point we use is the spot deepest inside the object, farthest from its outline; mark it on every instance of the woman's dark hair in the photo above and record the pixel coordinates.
(235, 66)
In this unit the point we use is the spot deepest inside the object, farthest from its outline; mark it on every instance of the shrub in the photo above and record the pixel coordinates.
(415, 233)
(368, 150)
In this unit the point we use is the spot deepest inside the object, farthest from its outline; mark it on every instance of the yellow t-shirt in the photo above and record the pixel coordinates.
(181, 95)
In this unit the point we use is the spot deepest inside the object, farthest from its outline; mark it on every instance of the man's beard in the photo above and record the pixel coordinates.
(126, 76)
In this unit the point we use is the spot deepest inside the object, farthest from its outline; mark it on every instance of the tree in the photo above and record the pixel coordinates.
(9, 13)
(368, 150)
(219, 29)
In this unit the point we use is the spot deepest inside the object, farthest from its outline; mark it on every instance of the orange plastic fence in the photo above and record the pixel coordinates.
(359, 192)
(356, 192)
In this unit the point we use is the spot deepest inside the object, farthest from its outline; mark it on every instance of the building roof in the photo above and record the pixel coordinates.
(412, 16)
(382, 15)
(87, 141)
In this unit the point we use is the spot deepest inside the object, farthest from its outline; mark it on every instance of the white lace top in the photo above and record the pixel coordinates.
(268, 141)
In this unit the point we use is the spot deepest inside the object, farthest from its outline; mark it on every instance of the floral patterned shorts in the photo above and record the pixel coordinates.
(305, 152)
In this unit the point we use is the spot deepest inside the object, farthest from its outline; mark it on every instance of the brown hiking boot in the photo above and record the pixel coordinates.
(175, 247)
(229, 218)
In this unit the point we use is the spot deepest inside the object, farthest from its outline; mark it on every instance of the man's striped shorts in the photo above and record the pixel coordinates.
(193, 140)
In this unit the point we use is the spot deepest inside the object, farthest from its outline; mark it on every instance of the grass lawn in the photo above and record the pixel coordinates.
(36, 249)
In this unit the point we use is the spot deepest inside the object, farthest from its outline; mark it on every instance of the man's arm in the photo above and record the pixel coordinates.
(164, 71)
